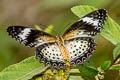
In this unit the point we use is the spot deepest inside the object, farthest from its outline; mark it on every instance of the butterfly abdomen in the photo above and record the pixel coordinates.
(64, 52)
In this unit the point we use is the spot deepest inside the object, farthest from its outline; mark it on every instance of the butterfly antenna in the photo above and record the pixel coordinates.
(65, 27)
(54, 31)
(42, 25)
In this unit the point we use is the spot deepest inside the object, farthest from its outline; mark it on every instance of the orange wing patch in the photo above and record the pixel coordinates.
(75, 33)
(45, 39)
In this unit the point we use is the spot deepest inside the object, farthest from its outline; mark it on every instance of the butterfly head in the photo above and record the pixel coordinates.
(60, 39)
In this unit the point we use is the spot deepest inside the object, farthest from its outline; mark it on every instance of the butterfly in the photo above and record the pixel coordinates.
(76, 45)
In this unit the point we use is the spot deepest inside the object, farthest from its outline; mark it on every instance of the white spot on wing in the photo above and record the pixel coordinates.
(23, 35)
(90, 20)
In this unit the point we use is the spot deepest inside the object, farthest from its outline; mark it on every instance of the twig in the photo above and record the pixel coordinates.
(113, 62)
(101, 72)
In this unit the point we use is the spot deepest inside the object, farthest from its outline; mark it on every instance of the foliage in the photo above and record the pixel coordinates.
(24, 70)
(105, 65)
(116, 51)
(31, 68)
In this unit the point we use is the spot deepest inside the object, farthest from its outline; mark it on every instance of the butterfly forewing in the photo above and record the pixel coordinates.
(80, 49)
(50, 54)
(29, 36)
(89, 25)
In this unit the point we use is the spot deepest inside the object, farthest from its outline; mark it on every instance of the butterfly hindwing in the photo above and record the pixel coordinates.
(28, 36)
(50, 54)
(89, 25)
(80, 49)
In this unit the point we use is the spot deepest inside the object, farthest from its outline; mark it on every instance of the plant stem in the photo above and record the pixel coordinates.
(101, 73)
(113, 62)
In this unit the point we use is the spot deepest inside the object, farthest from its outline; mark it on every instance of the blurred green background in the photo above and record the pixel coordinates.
(47, 12)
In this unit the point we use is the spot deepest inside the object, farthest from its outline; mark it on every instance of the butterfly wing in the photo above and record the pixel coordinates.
(89, 25)
(77, 38)
(80, 49)
(29, 36)
(50, 54)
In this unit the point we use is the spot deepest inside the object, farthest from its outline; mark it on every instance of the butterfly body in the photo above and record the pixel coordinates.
(75, 46)
(62, 47)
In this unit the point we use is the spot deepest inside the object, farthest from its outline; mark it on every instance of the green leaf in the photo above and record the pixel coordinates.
(90, 65)
(111, 30)
(116, 51)
(24, 70)
(75, 78)
(88, 71)
(105, 65)
(49, 29)
(115, 67)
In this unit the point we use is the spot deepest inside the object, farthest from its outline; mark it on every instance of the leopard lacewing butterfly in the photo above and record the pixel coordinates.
(76, 45)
